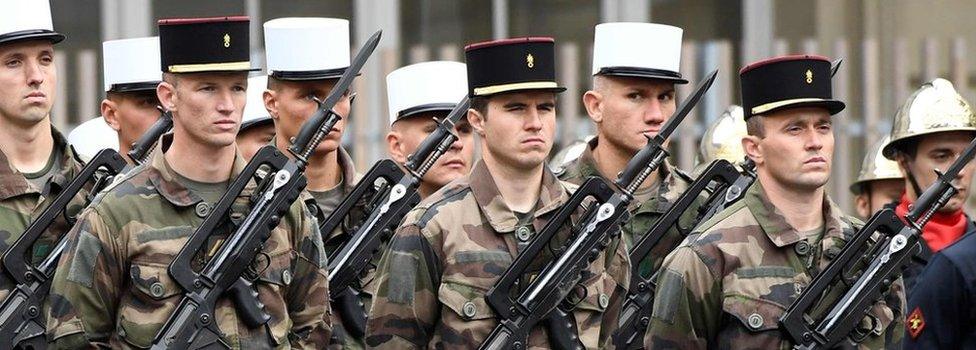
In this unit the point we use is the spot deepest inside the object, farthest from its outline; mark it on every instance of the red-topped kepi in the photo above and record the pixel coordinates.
(511, 65)
(211, 44)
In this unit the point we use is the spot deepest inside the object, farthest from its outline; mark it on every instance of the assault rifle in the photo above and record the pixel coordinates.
(396, 196)
(139, 153)
(545, 298)
(193, 324)
(726, 185)
(865, 269)
(21, 319)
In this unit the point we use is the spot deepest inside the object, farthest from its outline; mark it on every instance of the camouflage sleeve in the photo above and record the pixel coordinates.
(405, 307)
(897, 304)
(308, 293)
(618, 266)
(85, 289)
(687, 306)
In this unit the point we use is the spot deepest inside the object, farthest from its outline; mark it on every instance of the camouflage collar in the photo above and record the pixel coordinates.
(773, 223)
(163, 178)
(348, 170)
(14, 182)
(658, 203)
(502, 220)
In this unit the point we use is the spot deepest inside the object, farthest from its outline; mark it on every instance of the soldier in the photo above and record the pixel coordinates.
(723, 140)
(418, 94)
(728, 284)
(112, 288)
(632, 97)
(131, 68)
(36, 161)
(879, 184)
(306, 57)
(257, 127)
(90, 137)
(456, 243)
(930, 131)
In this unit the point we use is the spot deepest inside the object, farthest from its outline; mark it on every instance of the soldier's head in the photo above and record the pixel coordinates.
(205, 64)
(418, 94)
(513, 91)
(257, 127)
(788, 106)
(633, 84)
(306, 57)
(28, 75)
(131, 74)
(878, 183)
(930, 131)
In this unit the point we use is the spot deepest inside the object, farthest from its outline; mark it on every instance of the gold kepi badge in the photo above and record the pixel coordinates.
(226, 40)
(530, 61)
(809, 77)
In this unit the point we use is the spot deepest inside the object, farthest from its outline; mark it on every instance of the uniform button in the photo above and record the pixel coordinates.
(156, 289)
(202, 209)
(802, 248)
(313, 209)
(604, 300)
(468, 310)
(286, 276)
(755, 321)
(831, 253)
(522, 233)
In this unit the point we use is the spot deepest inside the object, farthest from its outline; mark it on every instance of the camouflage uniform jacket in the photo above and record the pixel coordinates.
(454, 246)
(112, 287)
(21, 202)
(727, 286)
(643, 215)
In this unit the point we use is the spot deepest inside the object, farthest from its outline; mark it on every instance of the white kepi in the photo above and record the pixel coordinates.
(306, 48)
(425, 87)
(131, 64)
(643, 50)
(93, 136)
(254, 112)
(27, 20)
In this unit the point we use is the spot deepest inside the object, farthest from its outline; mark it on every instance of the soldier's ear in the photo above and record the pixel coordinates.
(108, 109)
(270, 98)
(750, 145)
(166, 93)
(593, 102)
(477, 121)
(394, 146)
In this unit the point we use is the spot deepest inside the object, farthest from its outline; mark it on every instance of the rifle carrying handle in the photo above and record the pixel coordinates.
(251, 309)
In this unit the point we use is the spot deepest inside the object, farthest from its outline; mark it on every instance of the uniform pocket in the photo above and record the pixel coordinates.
(272, 284)
(153, 297)
(466, 318)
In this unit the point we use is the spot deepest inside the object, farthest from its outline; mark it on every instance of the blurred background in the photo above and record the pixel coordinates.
(889, 47)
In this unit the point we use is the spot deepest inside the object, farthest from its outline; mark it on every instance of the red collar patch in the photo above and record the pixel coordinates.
(915, 323)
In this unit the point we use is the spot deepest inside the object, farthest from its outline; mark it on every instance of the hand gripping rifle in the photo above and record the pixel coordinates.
(193, 324)
(21, 322)
(726, 185)
(139, 153)
(864, 270)
(543, 298)
(395, 197)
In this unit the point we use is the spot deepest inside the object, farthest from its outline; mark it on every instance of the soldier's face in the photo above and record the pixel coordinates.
(28, 78)
(797, 148)
(518, 128)
(131, 114)
(939, 151)
(251, 140)
(290, 103)
(207, 107)
(407, 134)
(876, 194)
(626, 109)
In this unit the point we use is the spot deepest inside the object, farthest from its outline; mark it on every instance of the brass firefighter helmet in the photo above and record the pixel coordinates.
(933, 108)
(876, 167)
